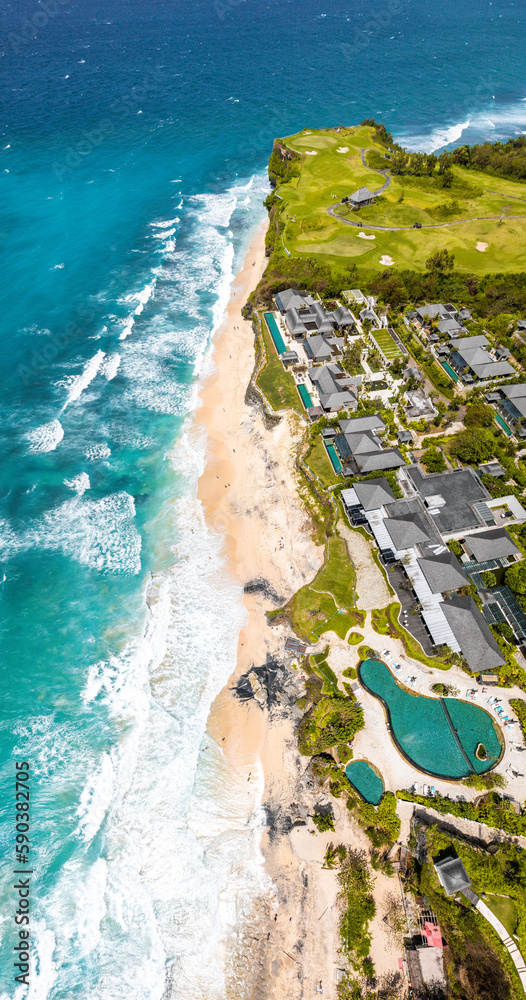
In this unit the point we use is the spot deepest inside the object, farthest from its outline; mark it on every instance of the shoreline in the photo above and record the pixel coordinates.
(248, 493)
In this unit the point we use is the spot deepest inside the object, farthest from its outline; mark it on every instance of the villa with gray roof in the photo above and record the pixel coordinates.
(304, 315)
(321, 348)
(510, 401)
(436, 311)
(414, 532)
(361, 450)
(472, 361)
(474, 637)
(492, 544)
(336, 389)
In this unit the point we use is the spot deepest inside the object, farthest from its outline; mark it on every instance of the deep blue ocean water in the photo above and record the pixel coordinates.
(133, 144)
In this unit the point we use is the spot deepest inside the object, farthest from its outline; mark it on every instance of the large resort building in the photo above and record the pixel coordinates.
(413, 532)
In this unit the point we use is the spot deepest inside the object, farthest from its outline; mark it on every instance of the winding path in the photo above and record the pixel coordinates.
(396, 229)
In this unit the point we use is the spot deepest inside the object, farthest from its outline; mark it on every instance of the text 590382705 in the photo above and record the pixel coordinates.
(22, 871)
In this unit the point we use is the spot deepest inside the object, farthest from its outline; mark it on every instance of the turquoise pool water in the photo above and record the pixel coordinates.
(279, 343)
(502, 423)
(305, 396)
(333, 455)
(366, 781)
(449, 370)
(422, 731)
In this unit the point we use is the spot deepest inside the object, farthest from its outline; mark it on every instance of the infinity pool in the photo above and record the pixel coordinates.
(439, 736)
(367, 782)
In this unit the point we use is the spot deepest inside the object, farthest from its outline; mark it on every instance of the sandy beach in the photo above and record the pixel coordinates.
(248, 494)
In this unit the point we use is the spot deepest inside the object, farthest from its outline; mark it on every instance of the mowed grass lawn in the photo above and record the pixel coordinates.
(277, 384)
(319, 462)
(386, 344)
(407, 200)
(315, 608)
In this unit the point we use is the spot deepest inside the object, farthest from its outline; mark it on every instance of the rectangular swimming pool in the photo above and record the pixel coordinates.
(333, 455)
(279, 343)
(449, 370)
(306, 398)
(502, 423)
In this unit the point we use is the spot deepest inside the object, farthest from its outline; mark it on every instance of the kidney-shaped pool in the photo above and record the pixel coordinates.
(437, 735)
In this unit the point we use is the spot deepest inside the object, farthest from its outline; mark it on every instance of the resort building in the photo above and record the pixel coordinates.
(320, 349)
(336, 389)
(413, 532)
(510, 401)
(360, 449)
(471, 361)
(435, 312)
(304, 315)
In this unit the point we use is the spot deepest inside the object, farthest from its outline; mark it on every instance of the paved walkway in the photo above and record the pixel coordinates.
(506, 939)
(396, 229)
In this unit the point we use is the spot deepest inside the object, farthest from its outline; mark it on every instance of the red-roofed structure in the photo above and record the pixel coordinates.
(432, 934)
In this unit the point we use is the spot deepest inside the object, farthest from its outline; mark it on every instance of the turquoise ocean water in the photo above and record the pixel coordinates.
(133, 144)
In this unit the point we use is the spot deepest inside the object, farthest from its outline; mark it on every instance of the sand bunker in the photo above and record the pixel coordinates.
(342, 149)
(310, 152)
(386, 260)
(363, 236)
(482, 246)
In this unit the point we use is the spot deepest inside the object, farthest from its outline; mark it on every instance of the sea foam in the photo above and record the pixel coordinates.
(46, 437)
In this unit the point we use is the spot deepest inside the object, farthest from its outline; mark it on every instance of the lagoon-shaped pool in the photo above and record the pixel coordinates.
(437, 735)
(365, 779)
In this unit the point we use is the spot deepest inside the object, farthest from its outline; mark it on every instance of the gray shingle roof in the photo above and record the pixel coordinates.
(317, 348)
(477, 644)
(389, 458)
(493, 369)
(343, 316)
(374, 493)
(362, 443)
(452, 875)
(492, 544)
(468, 342)
(405, 533)
(295, 323)
(433, 310)
(290, 297)
(443, 572)
(362, 194)
(355, 424)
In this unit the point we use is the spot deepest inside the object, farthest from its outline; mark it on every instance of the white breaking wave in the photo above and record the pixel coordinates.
(96, 533)
(163, 912)
(437, 140)
(78, 383)
(184, 868)
(110, 366)
(95, 451)
(141, 298)
(46, 437)
(79, 483)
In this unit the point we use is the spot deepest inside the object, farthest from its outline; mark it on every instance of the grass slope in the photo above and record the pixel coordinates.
(317, 607)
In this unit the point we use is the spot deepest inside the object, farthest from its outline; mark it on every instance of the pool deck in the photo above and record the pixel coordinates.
(374, 741)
